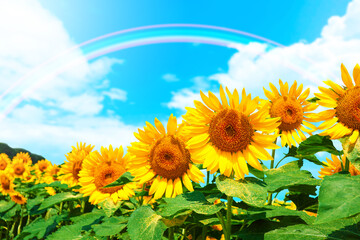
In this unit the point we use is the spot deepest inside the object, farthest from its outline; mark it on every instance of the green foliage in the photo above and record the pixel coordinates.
(123, 179)
(58, 198)
(250, 190)
(145, 224)
(333, 207)
(110, 226)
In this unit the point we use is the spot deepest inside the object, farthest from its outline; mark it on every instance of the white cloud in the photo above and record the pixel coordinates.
(170, 77)
(116, 94)
(64, 109)
(255, 65)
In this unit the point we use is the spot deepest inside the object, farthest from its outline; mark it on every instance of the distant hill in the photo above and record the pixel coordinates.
(11, 152)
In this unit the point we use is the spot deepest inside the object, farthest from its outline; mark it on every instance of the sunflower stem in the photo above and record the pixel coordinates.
(222, 222)
(13, 228)
(271, 167)
(347, 165)
(171, 233)
(207, 177)
(21, 218)
(228, 217)
(28, 219)
(83, 206)
(61, 207)
(204, 232)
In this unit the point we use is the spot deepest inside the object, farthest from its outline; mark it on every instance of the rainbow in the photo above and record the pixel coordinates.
(116, 41)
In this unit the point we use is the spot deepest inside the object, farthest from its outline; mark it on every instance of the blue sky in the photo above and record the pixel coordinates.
(104, 100)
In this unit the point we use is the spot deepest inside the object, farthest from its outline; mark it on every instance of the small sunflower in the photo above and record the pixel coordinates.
(226, 136)
(6, 183)
(164, 159)
(290, 105)
(69, 171)
(25, 157)
(19, 168)
(336, 166)
(41, 167)
(18, 198)
(51, 191)
(101, 169)
(343, 117)
(4, 161)
(51, 173)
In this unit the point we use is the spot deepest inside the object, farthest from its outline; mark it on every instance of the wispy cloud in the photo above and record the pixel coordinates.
(116, 94)
(169, 77)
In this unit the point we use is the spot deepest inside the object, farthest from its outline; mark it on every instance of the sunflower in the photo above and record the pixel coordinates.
(6, 183)
(18, 198)
(163, 158)
(290, 105)
(336, 166)
(343, 117)
(4, 161)
(25, 157)
(19, 168)
(101, 169)
(41, 167)
(51, 173)
(69, 171)
(51, 191)
(226, 136)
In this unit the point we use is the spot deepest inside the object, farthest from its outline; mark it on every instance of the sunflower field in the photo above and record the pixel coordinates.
(205, 177)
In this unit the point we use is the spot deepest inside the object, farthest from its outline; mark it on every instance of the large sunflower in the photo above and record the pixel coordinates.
(101, 169)
(6, 183)
(224, 136)
(163, 158)
(290, 105)
(343, 117)
(69, 172)
(335, 166)
(4, 161)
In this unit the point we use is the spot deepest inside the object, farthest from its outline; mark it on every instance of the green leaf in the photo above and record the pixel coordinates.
(109, 207)
(250, 190)
(80, 223)
(6, 205)
(111, 226)
(145, 224)
(293, 152)
(40, 228)
(351, 151)
(339, 197)
(313, 100)
(10, 213)
(58, 198)
(290, 176)
(315, 144)
(194, 201)
(122, 180)
(302, 201)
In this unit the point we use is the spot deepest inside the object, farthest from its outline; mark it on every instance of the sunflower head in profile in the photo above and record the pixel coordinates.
(4, 161)
(343, 116)
(25, 157)
(102, 168)
(18, 198)
(69, 171)
(162, 158)
(19, 168)
(51, 174)
(335, 165)
(6, 182)
(229, 134)
(294, 112)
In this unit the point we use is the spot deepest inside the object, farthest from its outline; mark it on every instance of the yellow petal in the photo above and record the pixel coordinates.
(178, 186)
(338, 89)
(187, 182)
(223, 97)
(354, 136)
(356, 74)
(161, 188)
(346, 77)
(160, 127)
(169, 188)
(172, 125)
(154, 185)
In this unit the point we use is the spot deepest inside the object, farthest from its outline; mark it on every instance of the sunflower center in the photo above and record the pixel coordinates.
(169, 158)
(107, 174)
(42, 167)
(289, 110)
(230, 131)
(3, 164)
(348, 108)
(19, 170)
(19, 198)
(76, 169)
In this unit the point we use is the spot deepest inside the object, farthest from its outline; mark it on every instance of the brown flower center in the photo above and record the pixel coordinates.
(19, 169)
(348, 108)
(106, 174)
(289, 110)
(76, 169)
(230, 131)
(43, 167)
(169, 158)
(3, 164)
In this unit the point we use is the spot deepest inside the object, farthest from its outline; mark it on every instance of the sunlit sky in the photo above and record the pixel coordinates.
(103, 100)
